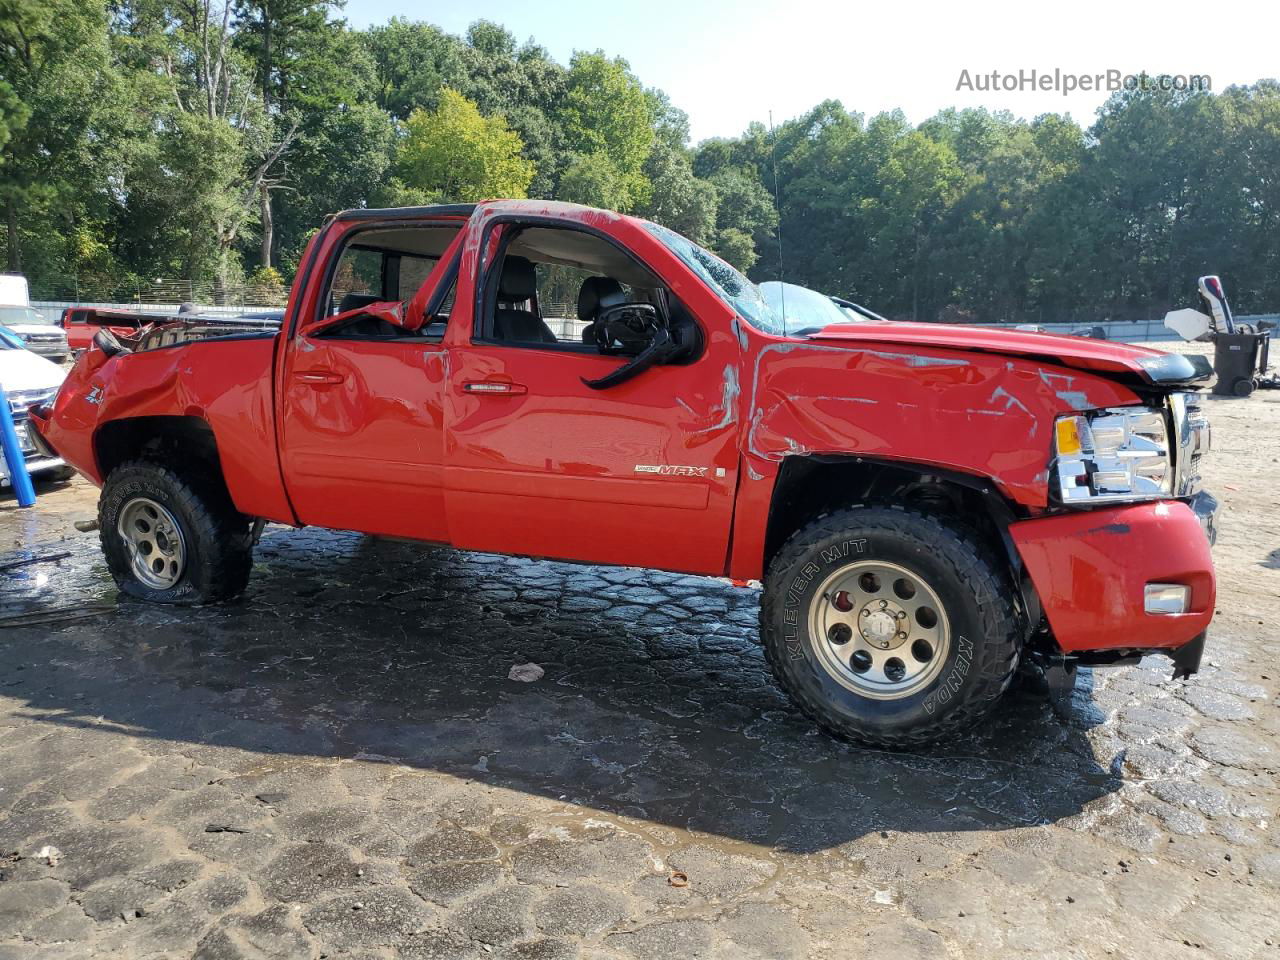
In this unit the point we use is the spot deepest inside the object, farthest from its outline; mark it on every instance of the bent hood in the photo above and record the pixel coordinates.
(1154, 367)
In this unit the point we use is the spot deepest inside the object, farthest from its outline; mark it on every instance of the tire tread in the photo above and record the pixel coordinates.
(996, 657)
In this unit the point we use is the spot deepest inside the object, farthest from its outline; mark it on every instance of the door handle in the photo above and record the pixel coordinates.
(318, 377)
(504, 387)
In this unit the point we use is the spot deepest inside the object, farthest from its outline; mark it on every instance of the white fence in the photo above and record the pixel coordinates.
(52, 308)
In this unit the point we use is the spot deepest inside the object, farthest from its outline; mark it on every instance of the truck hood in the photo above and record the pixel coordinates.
(23, 370)
(1153, 367)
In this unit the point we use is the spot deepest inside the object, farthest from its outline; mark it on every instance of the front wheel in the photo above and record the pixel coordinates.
(889, 627)
(172, 539)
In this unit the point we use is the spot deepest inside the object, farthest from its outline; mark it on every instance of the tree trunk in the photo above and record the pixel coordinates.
(15, 251)
(268, 225)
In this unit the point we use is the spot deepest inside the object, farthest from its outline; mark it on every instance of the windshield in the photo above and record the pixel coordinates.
(805, 310)
(11, 316)
(733, 288)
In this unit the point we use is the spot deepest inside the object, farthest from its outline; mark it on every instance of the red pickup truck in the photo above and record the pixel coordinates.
(926, 505)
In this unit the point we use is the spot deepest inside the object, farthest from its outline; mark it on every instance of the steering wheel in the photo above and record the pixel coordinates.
(626, 328)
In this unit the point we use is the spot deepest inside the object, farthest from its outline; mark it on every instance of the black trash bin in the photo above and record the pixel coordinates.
(1237, 360)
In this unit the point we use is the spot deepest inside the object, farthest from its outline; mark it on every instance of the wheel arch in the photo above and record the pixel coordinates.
(186, 444)
(809, 486)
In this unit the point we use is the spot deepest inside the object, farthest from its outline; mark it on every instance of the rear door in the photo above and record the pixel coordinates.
(363, 422)
(541, 464)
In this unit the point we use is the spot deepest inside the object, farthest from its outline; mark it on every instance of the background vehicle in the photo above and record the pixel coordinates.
(926, 505)
(1096, 332)
(36, 331)
(29, 379)
(39, 334)
(81, 323)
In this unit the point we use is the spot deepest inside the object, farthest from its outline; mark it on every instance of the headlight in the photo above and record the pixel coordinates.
(1112, 455)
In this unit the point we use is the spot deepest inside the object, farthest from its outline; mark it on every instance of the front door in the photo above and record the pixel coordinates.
(539, 463)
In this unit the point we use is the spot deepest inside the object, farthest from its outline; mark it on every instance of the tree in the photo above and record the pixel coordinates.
(54, 76)
(593, 180)
(413, 62)
(677, 198)
(607, 114)
(460, 155)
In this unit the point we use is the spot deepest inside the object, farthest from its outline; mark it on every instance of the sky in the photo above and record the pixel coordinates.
(730, 62)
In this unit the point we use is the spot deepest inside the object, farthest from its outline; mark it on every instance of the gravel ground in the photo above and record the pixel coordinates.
(338, 765)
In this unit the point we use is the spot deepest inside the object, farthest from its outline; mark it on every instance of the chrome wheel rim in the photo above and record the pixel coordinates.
(879, 630)
(157, 551)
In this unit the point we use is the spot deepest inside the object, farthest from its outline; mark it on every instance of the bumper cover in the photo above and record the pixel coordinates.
(1090, 570)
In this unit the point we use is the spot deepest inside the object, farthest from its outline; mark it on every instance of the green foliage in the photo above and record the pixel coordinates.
(607, 116)
(205, 139)
(461, 155)
(678, 199)
(593, 180)
(265, 286)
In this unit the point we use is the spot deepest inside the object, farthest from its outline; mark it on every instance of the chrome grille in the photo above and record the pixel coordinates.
(1192, 441)
(21, 400)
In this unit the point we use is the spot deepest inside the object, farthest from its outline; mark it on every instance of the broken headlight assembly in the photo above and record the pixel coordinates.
(1115, 455)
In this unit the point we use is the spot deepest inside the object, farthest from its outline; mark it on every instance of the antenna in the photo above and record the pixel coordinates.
(777, 208)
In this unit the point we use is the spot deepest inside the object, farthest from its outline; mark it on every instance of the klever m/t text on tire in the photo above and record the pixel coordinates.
(888, 626)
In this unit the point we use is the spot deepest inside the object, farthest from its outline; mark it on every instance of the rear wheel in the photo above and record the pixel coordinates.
(890, 627)
(172, 539)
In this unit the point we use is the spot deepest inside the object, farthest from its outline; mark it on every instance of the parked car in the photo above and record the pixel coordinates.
(926, 504)
(81, 323)
(39, 334)
(29, 379)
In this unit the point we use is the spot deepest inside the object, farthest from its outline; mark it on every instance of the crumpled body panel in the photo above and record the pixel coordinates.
(226, 383)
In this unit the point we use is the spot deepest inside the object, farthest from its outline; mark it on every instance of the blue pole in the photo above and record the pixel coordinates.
(13, 458)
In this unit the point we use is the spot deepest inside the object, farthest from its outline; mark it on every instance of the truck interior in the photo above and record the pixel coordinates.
(550, 287)
(547, 288)
(386, 265)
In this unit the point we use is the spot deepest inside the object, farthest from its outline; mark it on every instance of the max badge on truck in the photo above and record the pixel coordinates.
(670, 470)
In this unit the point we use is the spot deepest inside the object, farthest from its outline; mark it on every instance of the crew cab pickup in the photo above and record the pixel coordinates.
(926, 505)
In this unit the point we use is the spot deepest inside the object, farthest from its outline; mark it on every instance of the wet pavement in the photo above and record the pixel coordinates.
(339, 765)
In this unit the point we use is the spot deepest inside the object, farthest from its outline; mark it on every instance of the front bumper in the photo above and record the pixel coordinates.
(38, 456)
(49, 349)
(1091, 568)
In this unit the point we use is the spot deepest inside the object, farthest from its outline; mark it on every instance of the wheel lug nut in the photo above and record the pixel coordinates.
(901, 635)
(883, 604)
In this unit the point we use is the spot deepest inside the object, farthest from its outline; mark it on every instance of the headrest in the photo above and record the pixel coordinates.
(353, 301)
(598, 292)
(518, 281)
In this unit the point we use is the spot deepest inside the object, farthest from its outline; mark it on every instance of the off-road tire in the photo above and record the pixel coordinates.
(219, 544)
(976, 592)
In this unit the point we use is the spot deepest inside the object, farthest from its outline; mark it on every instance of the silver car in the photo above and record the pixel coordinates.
(37, 333)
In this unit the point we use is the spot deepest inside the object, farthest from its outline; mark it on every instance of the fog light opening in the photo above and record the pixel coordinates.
(1165, 598)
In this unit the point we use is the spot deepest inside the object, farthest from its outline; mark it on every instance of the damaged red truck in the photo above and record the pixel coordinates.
(926, 505)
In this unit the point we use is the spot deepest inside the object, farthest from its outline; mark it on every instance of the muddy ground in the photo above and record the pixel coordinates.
(338, 765)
